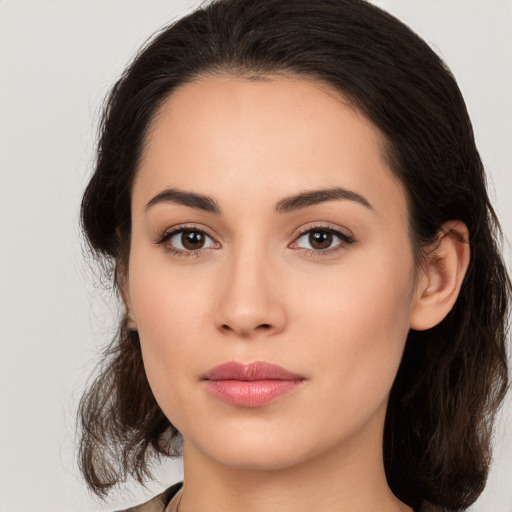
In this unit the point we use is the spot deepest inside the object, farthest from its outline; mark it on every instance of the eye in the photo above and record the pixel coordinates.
(186, 241)
(322, 239)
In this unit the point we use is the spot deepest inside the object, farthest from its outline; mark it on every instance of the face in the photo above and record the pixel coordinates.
(265, 269)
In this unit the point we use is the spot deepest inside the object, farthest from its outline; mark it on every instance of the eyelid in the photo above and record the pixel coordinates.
(345, 239)
(182, 227)
(324, 226)
(162, 238)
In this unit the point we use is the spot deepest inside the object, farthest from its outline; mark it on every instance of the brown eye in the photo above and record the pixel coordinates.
(320, 239)
(187, 241)
(192, 239)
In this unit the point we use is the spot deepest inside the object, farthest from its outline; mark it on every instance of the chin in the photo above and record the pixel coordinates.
(257, 457)
(260, 450)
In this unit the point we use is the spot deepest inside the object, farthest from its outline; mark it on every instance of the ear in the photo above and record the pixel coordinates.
(122, 284)
(441, 277)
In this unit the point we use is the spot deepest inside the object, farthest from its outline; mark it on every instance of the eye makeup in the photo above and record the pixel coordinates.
(327, 240)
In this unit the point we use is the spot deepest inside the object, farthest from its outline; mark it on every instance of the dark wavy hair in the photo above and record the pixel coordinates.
(453, 377)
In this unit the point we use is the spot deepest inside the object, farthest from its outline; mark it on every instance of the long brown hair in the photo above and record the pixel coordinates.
(453, 377)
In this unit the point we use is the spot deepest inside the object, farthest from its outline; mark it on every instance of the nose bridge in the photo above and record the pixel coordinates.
(249, 302)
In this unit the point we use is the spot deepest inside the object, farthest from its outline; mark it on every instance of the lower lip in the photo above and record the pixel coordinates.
(251, 393)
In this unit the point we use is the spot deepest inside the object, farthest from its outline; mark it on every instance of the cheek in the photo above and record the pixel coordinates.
(165, 297)
(362, 320)
(169, 313)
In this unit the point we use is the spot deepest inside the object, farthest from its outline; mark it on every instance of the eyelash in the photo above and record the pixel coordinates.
(194, 253)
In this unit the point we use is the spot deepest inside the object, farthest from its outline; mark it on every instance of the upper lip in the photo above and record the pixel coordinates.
(259, 370)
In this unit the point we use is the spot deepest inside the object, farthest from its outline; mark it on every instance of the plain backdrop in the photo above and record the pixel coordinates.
(58, 59)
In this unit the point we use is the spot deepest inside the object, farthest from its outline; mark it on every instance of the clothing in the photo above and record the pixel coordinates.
(159, 502)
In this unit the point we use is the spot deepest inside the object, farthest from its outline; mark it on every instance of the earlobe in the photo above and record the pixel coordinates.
(131, 321)
(122, 284)
(441, 277)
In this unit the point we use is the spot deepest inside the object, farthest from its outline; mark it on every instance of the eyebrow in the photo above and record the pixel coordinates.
(286, 205)
(191, 199)
(313, 197)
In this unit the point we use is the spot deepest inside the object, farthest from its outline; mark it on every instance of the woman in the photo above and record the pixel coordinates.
(295, 210)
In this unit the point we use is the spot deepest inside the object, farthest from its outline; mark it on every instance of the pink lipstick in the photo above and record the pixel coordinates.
(250, 385)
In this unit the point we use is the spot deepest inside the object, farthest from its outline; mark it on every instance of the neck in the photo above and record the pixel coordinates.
(348, 477)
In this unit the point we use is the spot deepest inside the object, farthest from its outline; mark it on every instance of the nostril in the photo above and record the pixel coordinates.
(266, 327)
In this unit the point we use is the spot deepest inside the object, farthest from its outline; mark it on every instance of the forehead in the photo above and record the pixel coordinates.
(221, 134)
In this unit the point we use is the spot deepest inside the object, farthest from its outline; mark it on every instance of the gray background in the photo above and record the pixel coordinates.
(57, 61)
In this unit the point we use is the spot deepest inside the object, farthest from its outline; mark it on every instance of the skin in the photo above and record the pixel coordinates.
(259, 291)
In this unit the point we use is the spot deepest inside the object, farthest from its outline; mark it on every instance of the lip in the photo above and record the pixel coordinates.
(250, 385)
(259, 370)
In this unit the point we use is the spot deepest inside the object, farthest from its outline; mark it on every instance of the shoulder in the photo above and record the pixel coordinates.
(158, 503)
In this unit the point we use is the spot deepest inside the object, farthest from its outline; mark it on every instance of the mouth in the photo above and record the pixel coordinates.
(250, 385)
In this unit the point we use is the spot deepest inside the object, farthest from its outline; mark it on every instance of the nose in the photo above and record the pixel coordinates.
(250, 301)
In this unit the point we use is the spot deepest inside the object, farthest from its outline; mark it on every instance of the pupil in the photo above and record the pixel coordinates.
(320, 239)
(192, 239)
